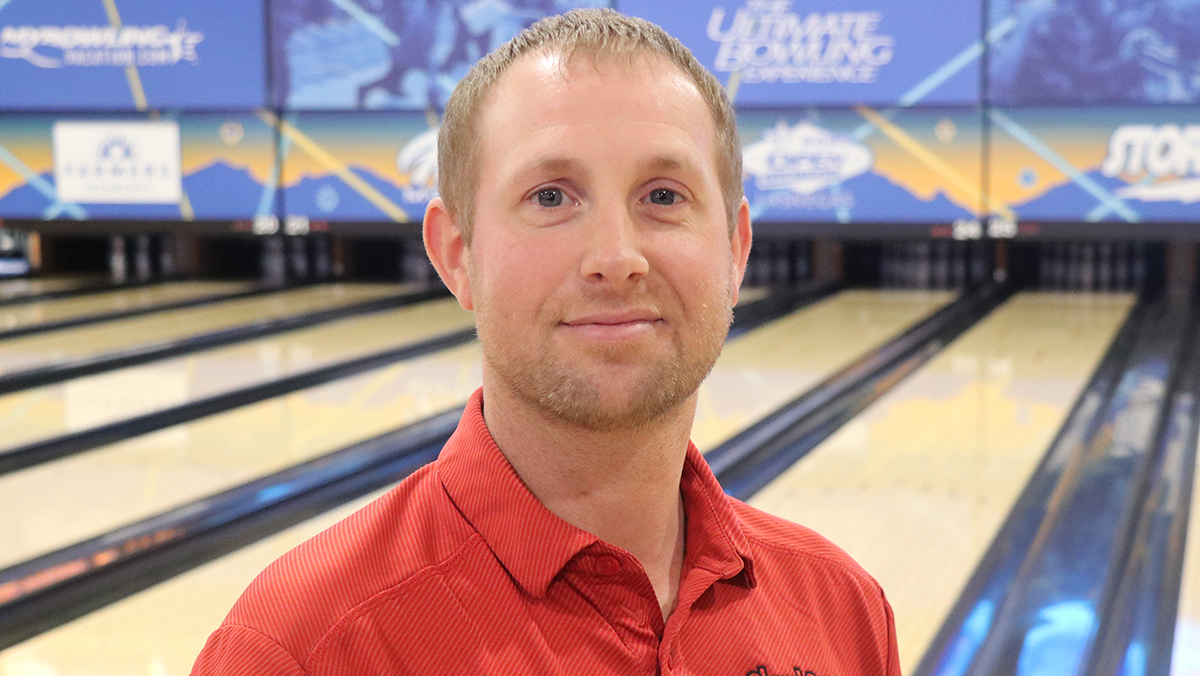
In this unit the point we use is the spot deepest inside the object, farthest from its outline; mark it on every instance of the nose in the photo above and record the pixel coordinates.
(614, 249)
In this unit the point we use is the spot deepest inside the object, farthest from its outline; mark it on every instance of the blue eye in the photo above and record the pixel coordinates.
(550, 197)
(664, 196)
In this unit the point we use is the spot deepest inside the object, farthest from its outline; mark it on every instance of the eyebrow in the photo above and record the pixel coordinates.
(549, 165)
(667, 163)
(566, 165)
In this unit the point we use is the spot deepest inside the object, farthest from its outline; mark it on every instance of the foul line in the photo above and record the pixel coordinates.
(337, 167)
(929, 159)
(131, 72)
(1094, 189)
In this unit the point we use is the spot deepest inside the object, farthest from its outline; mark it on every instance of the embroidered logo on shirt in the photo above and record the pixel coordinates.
(796, 671)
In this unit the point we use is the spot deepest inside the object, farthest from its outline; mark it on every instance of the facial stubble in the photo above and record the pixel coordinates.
(550, 384)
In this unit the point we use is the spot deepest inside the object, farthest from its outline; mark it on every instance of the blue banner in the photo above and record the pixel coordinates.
(1094, 51)
(1123, 164)
(131, 55)
(830, 52)
(862, 166)
(359, 167)
(389, 54)
(198, 166)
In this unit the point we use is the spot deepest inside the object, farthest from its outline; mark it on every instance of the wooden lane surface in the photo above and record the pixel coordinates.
(58, 309)
(20, 288)
(55, 504)
(160, 631)
(149, 633)
(916, 486)
(768, 367)
(1185, 655)
(46, 412)
(57, 347)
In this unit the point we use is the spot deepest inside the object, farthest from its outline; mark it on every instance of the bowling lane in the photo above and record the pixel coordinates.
(59, 309)
(917, 485)
(147, 633)
(20, 288)
(57, 347)
(761, 371)
(161, 630)
(1185, 655)
(57, 503)
(49, 411)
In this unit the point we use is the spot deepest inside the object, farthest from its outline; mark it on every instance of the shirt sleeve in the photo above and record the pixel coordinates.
(240, 651)
(893, 652)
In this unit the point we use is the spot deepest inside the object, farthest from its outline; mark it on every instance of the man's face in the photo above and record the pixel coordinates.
(601, 268)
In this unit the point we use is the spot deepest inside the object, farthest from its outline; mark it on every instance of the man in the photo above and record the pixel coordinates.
(593, 220)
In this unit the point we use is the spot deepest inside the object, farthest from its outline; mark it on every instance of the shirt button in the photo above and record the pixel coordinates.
(608, 565)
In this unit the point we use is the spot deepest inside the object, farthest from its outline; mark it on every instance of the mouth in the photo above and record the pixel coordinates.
(614, 326)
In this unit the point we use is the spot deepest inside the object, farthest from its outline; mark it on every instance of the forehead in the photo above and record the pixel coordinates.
(543, 100)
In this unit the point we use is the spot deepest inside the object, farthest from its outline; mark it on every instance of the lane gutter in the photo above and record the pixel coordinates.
(84, 290)
(1034, 602)
(1138, 624)
(21, 380)
(753, 458)
(102, 317)
(55, 588)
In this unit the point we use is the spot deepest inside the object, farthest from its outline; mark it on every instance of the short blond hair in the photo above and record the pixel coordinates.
(601, 33)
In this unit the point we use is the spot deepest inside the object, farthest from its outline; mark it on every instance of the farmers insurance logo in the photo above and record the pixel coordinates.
(58, 46)
(767, 42)
(117, 162)
(1165, 157)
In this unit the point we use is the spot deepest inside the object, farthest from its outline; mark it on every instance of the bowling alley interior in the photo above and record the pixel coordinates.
(965, 348)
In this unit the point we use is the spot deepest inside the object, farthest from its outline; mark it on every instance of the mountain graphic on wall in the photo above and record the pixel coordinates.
(217, 192)
(876, 200)
(1072, 202)
(223, 192)
(330, 198)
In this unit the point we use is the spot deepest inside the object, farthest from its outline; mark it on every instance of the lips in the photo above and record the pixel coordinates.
(630, 316)
(613, 326)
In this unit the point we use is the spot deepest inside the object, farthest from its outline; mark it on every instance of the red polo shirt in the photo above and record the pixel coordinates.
(460, 570)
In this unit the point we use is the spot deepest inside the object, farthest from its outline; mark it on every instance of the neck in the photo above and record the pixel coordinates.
(619, 485)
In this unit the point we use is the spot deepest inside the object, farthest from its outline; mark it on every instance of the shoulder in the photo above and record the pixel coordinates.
(396, 540)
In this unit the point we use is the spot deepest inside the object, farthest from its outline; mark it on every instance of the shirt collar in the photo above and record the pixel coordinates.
(533, 544)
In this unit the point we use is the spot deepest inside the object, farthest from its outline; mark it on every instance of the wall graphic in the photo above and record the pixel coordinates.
(131, 55)
(1094, 51)
(379, 166)
(849, 112)
(226, 167)
(1097, 164)
(830, 52)
(862, 165)
(389, 54)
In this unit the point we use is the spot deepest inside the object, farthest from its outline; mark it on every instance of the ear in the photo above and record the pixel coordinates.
(447, 251)
(740, 244)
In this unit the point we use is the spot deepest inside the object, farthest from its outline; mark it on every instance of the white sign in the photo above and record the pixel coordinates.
(804, 158)
(1168, 153)
(768, 42)
(418, 160)
(117, 162)
(58, 46)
